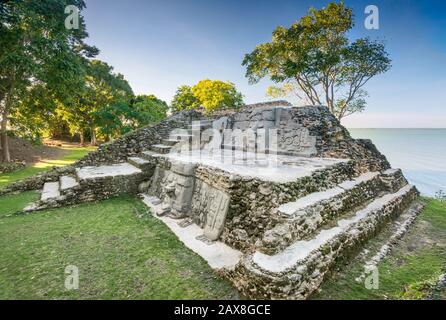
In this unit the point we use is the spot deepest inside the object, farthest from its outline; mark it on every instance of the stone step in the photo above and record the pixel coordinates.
(120, 169)
(150, 155)
(170, 142)
(67, 183)
(160, 148)
(393, 179)
(50, 191)
(203, 122)
(298, 270)
(395, 231)
(299, 219)
(180, 136)
(140, 163)
(200, 125)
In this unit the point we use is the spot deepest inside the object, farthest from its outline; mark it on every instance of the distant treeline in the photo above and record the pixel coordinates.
(51, 85)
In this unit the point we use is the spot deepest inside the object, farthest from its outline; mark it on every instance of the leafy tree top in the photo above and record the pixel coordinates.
(317, 61)
(209, 94)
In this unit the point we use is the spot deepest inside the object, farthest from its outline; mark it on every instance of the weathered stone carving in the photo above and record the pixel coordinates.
(296, 140)
(175, 187)
(209, 208)
(215, 219)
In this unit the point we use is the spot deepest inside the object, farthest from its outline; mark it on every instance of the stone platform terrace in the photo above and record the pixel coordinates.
(266, 167)
(272, 197)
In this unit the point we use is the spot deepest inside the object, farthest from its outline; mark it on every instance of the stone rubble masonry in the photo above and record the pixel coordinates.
(347, 196)
(36, 182)
(93, 189)
(306, 276)
(7, 167)
(253, 200)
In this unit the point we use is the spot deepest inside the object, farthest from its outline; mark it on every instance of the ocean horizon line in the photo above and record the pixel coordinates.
(397, 128)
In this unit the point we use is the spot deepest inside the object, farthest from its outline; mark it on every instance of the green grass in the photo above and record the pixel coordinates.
(10, 204)
(121, 253)
(408, 272)
(45, 165)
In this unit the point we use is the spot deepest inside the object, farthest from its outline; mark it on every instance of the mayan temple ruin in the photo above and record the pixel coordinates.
(272, 196)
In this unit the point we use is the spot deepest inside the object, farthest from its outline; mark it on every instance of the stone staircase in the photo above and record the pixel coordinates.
(92, 183)
(180, 139)
(56, 191)
(299, 219)
(294, 257)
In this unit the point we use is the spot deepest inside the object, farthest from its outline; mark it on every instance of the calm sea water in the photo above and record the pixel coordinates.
(420, 153)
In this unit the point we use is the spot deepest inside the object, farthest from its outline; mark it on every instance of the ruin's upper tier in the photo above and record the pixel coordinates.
(310, 131)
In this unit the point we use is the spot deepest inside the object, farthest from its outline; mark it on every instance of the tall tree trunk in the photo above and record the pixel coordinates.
(82, 137)
(2, 96)
(7, 106)
(6, 157)
(93, 137)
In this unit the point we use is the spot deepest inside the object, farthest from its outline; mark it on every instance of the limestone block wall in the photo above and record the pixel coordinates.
(252, 200)
(96, 189)
(304, 278)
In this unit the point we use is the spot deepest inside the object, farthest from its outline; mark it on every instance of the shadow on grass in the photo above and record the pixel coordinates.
(73, 155)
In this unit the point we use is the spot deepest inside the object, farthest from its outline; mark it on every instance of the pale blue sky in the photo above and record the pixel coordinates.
(161, 44)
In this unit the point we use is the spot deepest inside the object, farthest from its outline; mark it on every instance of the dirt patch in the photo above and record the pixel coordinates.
(24, 151)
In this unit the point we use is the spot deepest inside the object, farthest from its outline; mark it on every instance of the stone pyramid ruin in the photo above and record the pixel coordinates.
(271, 196)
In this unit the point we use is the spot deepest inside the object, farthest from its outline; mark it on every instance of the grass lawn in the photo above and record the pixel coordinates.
(121, 252)
(74, 153)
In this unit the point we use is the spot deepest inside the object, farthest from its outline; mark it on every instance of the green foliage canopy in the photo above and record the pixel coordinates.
(123, 116)
(50, 83)
(316, 60)
(93, 106)
(209, 94)
(184, 98)
(36, 49)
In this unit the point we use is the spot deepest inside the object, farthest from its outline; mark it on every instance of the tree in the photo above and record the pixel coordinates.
(215, 94)
(92, 107)
(147, 109)
(121, 117)
(184, 98)
(104, 88)
(315, 60)
(33, 115)
(37, 49)
(209, 94)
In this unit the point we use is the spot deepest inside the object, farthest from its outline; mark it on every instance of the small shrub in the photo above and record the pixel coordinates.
(440, 195)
